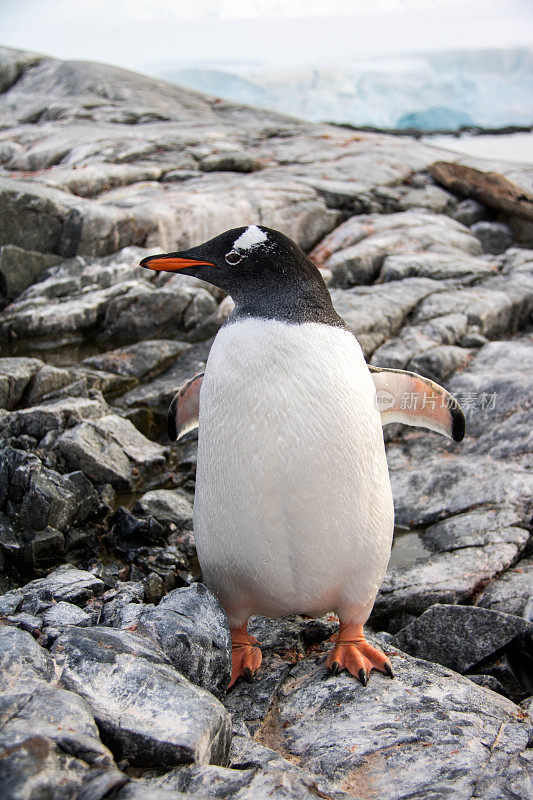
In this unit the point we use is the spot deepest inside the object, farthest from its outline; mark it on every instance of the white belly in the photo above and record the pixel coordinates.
(293, 509)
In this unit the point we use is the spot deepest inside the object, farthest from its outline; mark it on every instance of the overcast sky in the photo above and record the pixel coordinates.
(146, 34)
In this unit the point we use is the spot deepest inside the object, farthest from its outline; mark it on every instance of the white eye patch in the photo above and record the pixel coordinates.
(250, 238)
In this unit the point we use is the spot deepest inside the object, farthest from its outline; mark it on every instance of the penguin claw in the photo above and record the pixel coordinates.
(335, 668)
(247, 674)
(387, 666)
(362, 677)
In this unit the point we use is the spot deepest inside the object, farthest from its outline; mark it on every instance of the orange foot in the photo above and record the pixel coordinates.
(353, 653)
(245, 655)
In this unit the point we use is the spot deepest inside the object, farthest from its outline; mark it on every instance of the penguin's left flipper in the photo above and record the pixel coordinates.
(182, 415)
(414, 400)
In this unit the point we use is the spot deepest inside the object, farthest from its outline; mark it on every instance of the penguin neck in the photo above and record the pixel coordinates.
(304, 300)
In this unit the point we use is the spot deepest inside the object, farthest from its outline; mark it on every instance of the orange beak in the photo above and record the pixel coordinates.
(171, 263)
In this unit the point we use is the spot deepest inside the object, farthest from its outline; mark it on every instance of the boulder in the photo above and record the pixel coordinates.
(55, 415)
(66, 583)
(110, 450)
(495, 237)
(15, 375)
(21, 268)
(460, 637)
(428, 732)
(190, 626)
(146, 710)
(512, 592)
(22, 661)
(170, 507)
(143, 360)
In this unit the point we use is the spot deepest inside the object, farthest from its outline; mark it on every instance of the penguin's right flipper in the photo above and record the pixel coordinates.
(182, 415)
(414, 400)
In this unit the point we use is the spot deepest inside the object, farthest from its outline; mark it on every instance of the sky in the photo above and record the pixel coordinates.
(146, 35)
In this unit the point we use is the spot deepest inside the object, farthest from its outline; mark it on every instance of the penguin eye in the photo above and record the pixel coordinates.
(233, 257)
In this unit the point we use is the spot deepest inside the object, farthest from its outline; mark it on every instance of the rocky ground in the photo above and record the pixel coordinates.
(114, 656)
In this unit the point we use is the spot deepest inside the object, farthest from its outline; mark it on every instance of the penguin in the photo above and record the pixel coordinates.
(293, 510)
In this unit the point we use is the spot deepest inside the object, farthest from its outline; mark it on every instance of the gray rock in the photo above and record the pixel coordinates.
(147, 712)
(63, 584)
(142, 360)
(110, 450)
(22, 661)
(15, 375)
(229, 162)
(21, 268)
(470, 211)
(438, 266)
(50, 743)
(438, 363)
(275, 781)
(459, 637)
(170, 507)
(429, 732)
(495, 237)
(64, 614)
(48, 379)
(510, 592)
(56, 415)
(249, 703)
(191, 628)
(44, 550)
(37, 497)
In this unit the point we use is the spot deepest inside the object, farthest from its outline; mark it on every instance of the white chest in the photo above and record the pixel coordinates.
(293, 496)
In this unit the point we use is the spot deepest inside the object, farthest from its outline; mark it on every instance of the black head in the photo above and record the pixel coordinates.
(264, 271)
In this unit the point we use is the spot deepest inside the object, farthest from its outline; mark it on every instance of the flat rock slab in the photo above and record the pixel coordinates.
(66, 583)
(170, 507)
(22, 661)
(15, 375)
(427, 733)
(511, 592)
(460, 637)
(146, 710)
(191, 628)
(110, 450)
(142, 360)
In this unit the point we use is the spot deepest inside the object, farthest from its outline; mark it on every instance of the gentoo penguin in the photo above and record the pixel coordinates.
(293, 511)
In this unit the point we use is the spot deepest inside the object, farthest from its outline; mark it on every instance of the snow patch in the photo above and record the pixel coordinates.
(251, 237)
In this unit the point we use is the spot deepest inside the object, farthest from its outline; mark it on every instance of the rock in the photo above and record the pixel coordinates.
(65, 583)
(459, 637)
(22, 661)
(439, 362)
(169, 507)
(470, 211)
(56, 415)
(375, 313)
(49, 379)
(44, 550)
(173, 310)
(229, 162)
(15, 374)
(64, 614)
(159, 392)
(109, 450)
(495, 237)
(21, 268)
(355, 251)
(249, 703)
(147, 712)
(143, 360)
(511, 592)
(37, 497)
(428, 732)
(191, 628)
(438, 266)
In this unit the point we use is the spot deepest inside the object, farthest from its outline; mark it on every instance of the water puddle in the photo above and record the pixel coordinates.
(407, 547)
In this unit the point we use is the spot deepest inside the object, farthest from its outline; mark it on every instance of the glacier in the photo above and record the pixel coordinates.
(489, 88)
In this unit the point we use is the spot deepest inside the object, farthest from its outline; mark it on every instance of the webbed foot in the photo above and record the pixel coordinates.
(353, 653)
(246, 657)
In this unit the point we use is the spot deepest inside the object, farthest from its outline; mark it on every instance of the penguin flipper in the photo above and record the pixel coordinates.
(414, 400)
(182, 415)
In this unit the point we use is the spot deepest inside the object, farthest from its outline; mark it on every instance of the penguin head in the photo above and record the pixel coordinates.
(243, 262)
